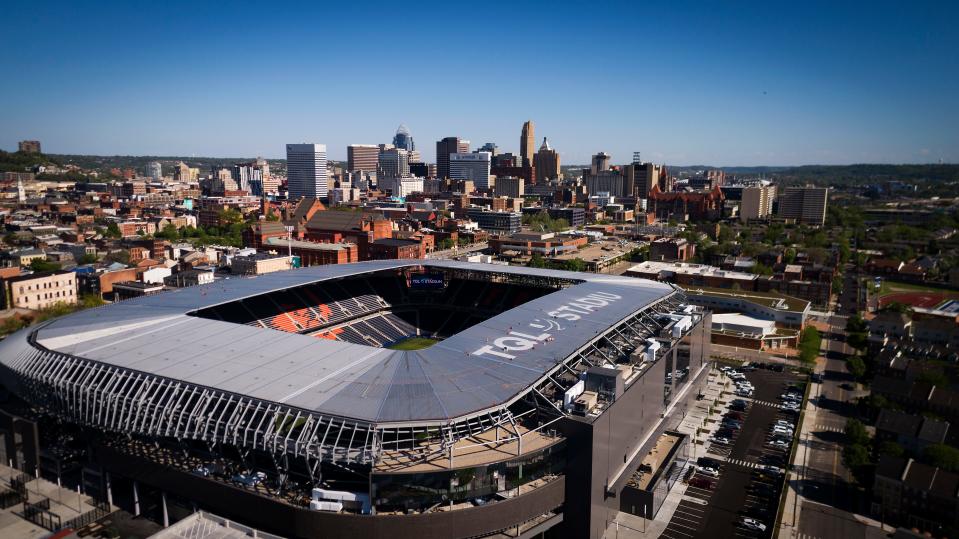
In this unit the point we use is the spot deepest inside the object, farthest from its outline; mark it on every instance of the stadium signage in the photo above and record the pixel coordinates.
(516, 341)
(426, 280)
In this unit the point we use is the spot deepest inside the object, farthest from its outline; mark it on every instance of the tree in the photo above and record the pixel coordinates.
(230, 216)
(445, 244)
(942, 455)
(113, 231)
(88, 258)
(856, 367)
(169, 232)
(42, 265)
(857, 333)
(856, 432)
(121, 255)
(934, 377)
(536, 261)
(891, 448)
(855, 456)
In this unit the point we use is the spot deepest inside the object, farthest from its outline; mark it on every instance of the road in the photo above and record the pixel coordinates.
(825, 481)
(453, 253)
(852, 300)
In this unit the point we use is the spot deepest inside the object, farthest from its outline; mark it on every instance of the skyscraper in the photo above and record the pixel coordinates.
(804, 204)
(362, 157)
(403, 139)
(471, 166)
(526, 143)
(757, 202)
(546, 163)
(600, 163)
(444, 148)
(393, 163)
(154, 170)
(306, 170)
(181, 172)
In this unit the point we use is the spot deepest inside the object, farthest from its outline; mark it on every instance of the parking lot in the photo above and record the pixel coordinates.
(735, 488)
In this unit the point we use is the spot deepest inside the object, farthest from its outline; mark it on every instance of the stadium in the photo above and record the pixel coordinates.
(392, 398)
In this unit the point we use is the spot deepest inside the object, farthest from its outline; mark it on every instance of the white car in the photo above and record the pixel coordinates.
(706, 470)
(720, 440)
(784, 423)
(754, 524)
(779, 443)
(784, 432)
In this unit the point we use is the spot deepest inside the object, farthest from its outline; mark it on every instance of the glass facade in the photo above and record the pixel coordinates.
(421, 491)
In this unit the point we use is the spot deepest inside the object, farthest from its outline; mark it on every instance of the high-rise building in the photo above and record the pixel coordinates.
(362, 157)
(29, 146)
(527, 141)
(403, 139)
(641, 177)
(153, 170)
(757, 202)
(804, 204)
(471, 166)
(600, 163)
(181, 172)
(393, 163)
(489, 147)
(444, 148)
(546, 163)
(248, 177)
(271, 184)
(509, 186)
(306, 170)
(606, 181)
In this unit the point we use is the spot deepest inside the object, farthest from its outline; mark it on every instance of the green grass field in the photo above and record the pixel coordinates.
(414, 343)
(888, 287)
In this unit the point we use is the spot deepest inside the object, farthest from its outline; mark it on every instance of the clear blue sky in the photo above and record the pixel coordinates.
(722, 83)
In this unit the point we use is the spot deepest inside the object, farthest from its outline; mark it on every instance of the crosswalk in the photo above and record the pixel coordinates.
(743, 463)
(828, 428)
(766, 403)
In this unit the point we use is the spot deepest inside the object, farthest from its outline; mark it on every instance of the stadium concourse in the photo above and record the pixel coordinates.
(278, 401)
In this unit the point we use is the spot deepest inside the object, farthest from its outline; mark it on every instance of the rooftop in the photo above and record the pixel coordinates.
(768, 299)
(684, 268)
(456, 378)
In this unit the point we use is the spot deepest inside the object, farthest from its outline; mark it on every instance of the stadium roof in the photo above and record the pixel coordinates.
(466, 374)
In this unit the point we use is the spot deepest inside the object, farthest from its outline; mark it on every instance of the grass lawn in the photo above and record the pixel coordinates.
(894, 288)
(413, 343)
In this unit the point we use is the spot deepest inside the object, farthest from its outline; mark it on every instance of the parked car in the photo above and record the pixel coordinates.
(706, 470)
(720, 439)
(770, 469)
(753, 524)
(734, 415)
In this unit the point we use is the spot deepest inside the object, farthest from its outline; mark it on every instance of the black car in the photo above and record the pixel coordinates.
(773, 460)
(725, 433)
(708, 462)
(737, 407)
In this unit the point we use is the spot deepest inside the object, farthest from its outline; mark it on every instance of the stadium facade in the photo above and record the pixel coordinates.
(288, 401)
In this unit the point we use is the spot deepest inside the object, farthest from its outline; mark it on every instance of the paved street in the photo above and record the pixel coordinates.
(458, 251)
(820, 475)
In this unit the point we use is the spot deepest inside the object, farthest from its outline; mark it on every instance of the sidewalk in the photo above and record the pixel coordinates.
(789, 524)
(627, 526)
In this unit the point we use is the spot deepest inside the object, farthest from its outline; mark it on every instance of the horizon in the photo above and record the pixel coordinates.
(828, 84)
(572, 165)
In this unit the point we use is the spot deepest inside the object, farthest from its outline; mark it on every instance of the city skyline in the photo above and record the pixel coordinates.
(700, 85)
